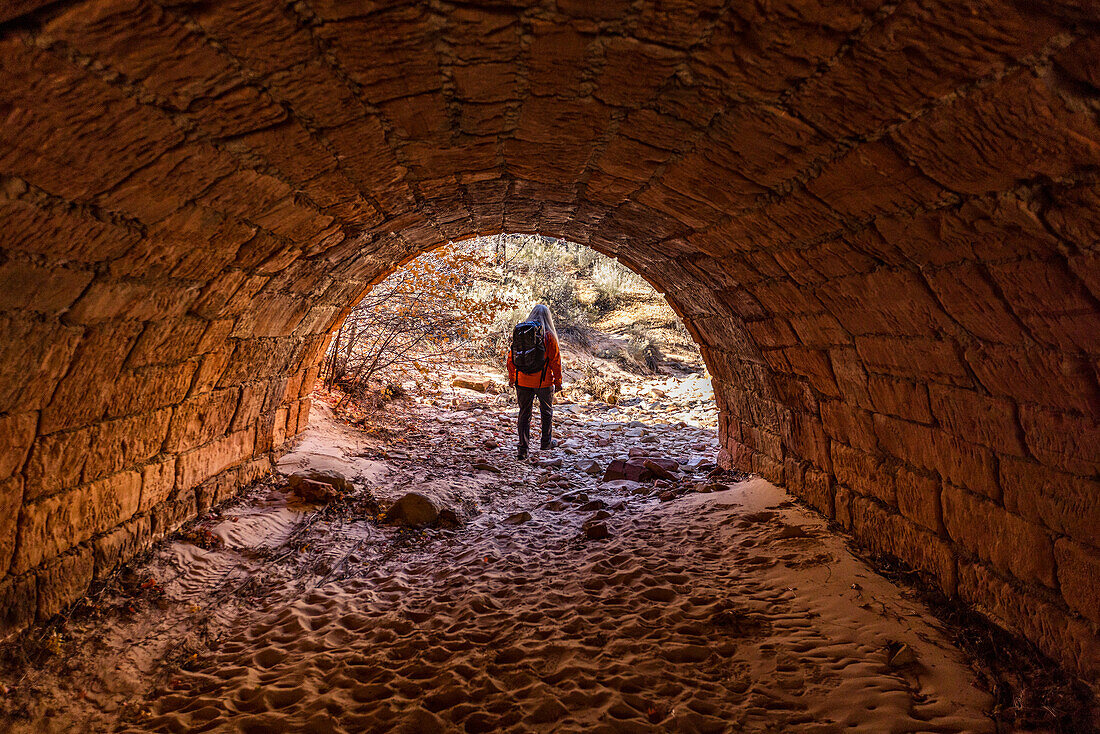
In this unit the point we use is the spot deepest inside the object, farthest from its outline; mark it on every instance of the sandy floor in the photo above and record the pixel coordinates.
(730, 611)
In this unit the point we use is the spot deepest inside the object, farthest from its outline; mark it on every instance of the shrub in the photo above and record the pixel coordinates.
(612, 282)
(598, 385)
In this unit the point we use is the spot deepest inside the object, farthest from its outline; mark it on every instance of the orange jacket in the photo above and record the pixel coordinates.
(553, 368)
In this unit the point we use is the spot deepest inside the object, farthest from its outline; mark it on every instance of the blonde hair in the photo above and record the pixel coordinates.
(541, 314)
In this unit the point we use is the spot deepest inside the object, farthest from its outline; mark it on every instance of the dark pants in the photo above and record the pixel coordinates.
(526, 396)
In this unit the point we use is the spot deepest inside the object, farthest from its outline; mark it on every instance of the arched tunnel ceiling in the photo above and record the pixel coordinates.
(879, 219)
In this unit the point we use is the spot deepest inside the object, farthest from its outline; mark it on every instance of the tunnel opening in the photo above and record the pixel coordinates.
(452, 310)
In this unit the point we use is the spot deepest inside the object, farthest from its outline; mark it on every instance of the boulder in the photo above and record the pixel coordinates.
(658, 470)
(596, 531)
(790, 531)
(412, 510)
(623, 485)
(590, 467)
(448, 519)
(635, 469)
(332, 477)
(482, 384)
(308, 490)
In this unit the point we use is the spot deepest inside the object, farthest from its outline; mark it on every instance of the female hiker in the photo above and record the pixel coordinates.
(534, 366)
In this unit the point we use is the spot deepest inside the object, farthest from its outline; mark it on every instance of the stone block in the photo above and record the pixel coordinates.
(198, 465)
(1079, 577)
(57, 461)
(819, 330)
(214, 336)
(11, 500)
(962, 463)
(255, 470)
(1008, 542)
(813, 364)
(27, 287)
(1015, 129)
(158, 480)
(150, 388)
(137, 300)
(18, 603)
(851, 378)
(848, 424)
(303, 414)
(842, 506)
(217, 489)
(1055, 632)
(249, 406)
(119, 545)
(202, 418)
(294, 386)
(309, 379)
(808, 441)
(768, 467)
(167, 342)
(62, 581)
(278, 435)
(900, 397)
(1055, 306)
(211, 371)
(16, 436)
(895, 302)
(265, 432)
(1036, 375)
(53, 525)
(272, 315)
(291, 419)
(83, 394)
(1065, 441)
(817, 489)
(919, 359)
(125, 442)
(58, 233)
(919, 499)
(969, 298)
(977, 418)
(1065, 503)
(34, 357)
(884, 531)
(864, 473)
(169, 515)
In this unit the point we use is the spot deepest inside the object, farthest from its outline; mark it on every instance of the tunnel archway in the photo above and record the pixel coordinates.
(878, 221)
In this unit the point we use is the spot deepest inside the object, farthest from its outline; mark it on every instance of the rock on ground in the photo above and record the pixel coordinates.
(412, 510)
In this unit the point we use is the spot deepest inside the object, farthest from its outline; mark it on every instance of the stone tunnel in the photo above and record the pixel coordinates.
(879, 220)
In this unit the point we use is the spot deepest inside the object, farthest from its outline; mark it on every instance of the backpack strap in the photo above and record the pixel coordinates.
(545, 358)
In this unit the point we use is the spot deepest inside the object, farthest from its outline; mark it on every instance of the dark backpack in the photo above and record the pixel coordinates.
(529, 347)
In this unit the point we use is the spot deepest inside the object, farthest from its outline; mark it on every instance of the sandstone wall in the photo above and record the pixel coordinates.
(880, 221)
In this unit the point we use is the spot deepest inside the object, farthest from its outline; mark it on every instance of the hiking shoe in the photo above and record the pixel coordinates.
(521, 455)
(548, 446)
